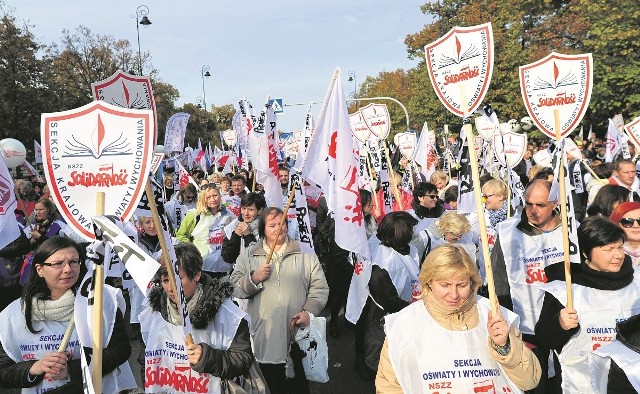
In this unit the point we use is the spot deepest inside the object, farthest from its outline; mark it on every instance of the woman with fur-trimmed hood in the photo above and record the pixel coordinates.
(222, 346)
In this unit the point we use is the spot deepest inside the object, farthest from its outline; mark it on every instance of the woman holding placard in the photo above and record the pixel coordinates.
(32, 328)
(204, 227)
(449, 340)
(605, 290)
(222, 346)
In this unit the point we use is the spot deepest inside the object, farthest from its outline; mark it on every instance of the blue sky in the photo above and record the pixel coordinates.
(282, 48)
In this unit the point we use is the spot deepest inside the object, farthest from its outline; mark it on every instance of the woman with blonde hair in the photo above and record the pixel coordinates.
(451, 227)
(204, 227)
(494, 195)
(442, 181)
(452, 336)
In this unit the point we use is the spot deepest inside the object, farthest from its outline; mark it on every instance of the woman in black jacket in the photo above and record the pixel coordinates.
(222, 345)
(605, 291)
(243, 232)
(394, 278)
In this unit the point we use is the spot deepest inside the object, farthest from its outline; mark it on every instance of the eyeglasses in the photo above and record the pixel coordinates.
(485, 196)
(628, 222)
(431, 196)
(58, 265)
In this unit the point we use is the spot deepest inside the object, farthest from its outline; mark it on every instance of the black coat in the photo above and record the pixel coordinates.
(548, 330)
(225, 364)
(231, 246)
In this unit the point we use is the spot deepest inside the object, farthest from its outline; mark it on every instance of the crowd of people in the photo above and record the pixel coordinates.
(426, 324)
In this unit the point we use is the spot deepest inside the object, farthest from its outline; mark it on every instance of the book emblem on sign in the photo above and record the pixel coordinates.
(460, 65)
(96, 148)
(560, 83)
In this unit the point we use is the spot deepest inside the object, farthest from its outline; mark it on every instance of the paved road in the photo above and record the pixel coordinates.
(342, 376)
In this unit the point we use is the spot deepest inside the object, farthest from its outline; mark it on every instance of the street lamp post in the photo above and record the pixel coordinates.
(204, 72)
(352, 78)
(141, 11)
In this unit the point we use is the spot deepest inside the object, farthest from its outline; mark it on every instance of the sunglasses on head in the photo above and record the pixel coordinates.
(628, 222)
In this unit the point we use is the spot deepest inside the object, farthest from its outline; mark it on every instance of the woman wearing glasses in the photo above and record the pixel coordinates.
(425, 206)
(627, 215)
(605, 291)
(31, 328)
(204, 227)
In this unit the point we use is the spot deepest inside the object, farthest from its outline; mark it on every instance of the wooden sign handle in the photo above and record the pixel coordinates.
(482, 228)
(96, 316)
(563, 212)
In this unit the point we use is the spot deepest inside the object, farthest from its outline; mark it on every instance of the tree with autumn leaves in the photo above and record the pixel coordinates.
(525, 31)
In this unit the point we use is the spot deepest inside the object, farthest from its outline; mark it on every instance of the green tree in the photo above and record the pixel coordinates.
(23, 93)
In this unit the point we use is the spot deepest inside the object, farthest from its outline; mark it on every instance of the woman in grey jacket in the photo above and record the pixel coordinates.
(290, 287)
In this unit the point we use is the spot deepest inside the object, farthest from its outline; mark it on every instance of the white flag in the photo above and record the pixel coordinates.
(425, 154)
(9, 229)
(612, 142)
(332, 164)
(37, 150)
(175, 131)
(263, 154)
(574, 250)
(140, 265)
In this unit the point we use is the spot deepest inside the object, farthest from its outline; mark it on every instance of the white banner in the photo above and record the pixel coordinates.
(175, 131)
(9, 229)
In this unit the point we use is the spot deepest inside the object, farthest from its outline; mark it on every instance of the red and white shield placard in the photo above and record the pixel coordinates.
(486, 128)
(406, 142)
(633, 130)
(127, 91)
(557, 82)
(509, 148)
(230, 137)
(96, 148)
(359, 128)
(376, 117)
(460, 65)
(155, 161)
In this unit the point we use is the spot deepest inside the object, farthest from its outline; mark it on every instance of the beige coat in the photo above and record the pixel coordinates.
(296, 283)
(520, 365)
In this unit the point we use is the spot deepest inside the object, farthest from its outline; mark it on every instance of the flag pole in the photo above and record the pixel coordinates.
(563, 211)
(163, 246)
(96, 312)
(475, 174)
(67, 335)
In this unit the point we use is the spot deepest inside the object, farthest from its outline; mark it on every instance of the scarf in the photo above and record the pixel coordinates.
(633, 253)
(173, 315)
(253, 227)
(463, 318)
(603, 280)
(498, 216)
(276, 258)
(49, 310)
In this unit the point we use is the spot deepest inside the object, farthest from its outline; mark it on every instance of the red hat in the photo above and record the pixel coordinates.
(622, 209)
